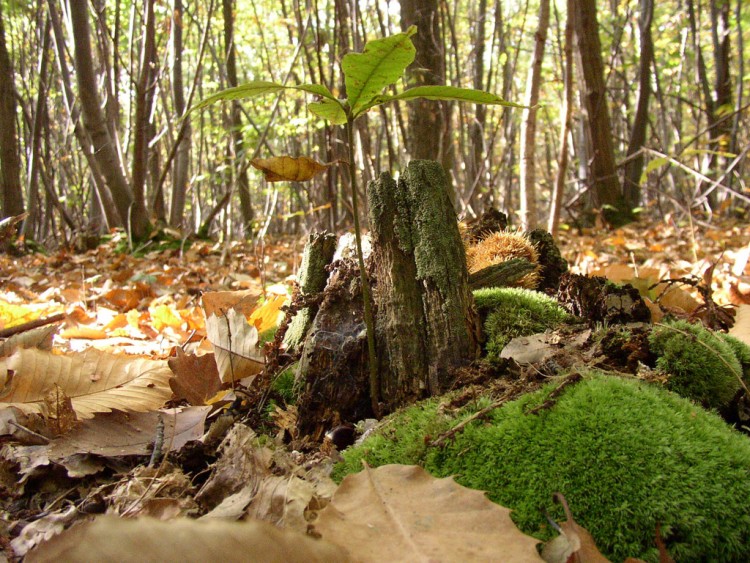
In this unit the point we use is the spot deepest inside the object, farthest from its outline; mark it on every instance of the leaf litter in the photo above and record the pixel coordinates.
(132, 342)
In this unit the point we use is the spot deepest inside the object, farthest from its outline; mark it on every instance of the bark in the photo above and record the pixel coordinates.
(104, 150)
(235, 122)
(312, 277)
(425, 324)
(606, 194)
(143, 102)
(102, 193)
(427, 119)
(634, 167)
(182, 155)
(528, 124)
(31, 224)
(567, 114)
(10, 159)
(475, 167)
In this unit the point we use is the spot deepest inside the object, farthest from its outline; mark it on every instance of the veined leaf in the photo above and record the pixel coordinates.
(381, 64)
(653, 165)
(257, 88)
(332, 110)
(449, 93)
(288, 168)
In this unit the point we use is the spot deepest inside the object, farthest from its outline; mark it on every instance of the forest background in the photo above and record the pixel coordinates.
(637, 107)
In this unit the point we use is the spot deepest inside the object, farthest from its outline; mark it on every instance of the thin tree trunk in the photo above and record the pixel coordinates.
(634, 167)
(104, 150)
(143, 102)
(475, 169)
(567, 113)
(10, 159)
(606, 194)
(182, 156)
(32, 223)
(235, 123)
(528, 208)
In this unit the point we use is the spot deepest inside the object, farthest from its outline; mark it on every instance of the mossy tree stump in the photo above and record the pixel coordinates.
(426, 325)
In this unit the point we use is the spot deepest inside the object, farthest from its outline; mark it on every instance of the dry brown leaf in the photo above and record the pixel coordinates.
(95, 381)
(140, 540)
(219, 302)
(196, 378)
(288, 168)
(60, 411)
(235, 346)
(118, 433)
(401, 513)
(741, 328)
(574, 544)
(36, 338)
(282, 501)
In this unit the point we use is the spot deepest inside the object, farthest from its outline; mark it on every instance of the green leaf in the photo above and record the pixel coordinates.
(381, 64)
(653, 165)
(329, 108)
(244, 91)
(332, 110)
(448, 93)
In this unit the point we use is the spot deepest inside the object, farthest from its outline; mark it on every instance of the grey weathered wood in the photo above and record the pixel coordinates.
(504, 274)
(425, 322)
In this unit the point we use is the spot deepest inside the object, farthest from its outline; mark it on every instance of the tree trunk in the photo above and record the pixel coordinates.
(182, 155)
(235, 123)
(144, 100)
(606, 195)
(104, 150)
(32, 223)
(634, 167)
(425, 325)
(528, 124)
(476, 171)
(565, 129)
(427, 119)
(10, 160)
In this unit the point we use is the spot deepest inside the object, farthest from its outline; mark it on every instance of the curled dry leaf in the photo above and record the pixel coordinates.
(574, 544)
(196, 378)
(109, 538)
(95, 381)
(288, 168)
(401, 513)
(235, 346)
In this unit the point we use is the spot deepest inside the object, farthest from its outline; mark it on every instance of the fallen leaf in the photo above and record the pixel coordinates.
(741, 328)
(196, 378)
(574, 544)
(235, 346)
(36, 338)
(219, 302)
(288, 169)
(119, 433)
(95, 381)
(109, 538)
(401, 513)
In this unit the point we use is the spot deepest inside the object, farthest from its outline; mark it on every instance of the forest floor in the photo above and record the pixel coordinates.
(149, 302)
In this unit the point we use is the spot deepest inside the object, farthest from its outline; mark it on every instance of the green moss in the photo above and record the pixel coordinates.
(284, 385)
(741, 352)
(267, 335)
(508, 312)
(625, 454)
(701, 365)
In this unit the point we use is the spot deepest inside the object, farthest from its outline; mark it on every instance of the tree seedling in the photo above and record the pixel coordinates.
(366, 76)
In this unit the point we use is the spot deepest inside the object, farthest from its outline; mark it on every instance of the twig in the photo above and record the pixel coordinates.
(36, 323)
(552, 397)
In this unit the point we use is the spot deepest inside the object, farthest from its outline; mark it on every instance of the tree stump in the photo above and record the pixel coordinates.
(426, 325)
(313, 275)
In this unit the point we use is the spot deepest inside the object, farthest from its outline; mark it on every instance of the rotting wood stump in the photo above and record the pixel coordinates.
(425, 323)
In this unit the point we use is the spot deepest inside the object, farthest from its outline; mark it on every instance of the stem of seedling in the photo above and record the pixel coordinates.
(364, 281)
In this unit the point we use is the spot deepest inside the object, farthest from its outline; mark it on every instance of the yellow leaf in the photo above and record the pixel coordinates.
(288, 169)
(267, 315)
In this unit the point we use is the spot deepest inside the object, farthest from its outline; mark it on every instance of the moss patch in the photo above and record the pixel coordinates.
(509, 312)
(701, 364)
(625, 454)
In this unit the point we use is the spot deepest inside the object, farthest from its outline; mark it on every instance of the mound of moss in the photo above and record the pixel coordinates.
(626, 455)
(741, 352)
(702, 365)
(508, 312)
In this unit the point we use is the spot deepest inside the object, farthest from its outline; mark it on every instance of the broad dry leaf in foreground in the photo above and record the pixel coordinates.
(401, 513)
(140, 540)
(95, 381)
(741, 328)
